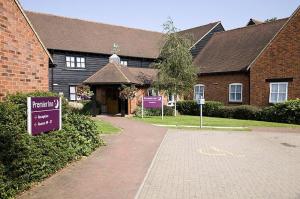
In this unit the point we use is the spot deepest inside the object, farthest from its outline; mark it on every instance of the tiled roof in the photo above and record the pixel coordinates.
(62, 33)
(234, 50)
(113, 73)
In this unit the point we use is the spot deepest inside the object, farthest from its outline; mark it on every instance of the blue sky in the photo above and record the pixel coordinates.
(152, 14)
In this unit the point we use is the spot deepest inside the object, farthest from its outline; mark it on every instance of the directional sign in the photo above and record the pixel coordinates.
(43, 114)
(152, 101)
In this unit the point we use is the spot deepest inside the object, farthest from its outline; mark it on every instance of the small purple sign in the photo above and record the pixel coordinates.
(43, 114)
(152, 102)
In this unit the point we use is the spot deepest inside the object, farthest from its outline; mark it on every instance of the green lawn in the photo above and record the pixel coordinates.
(211, 121)
(105, 127)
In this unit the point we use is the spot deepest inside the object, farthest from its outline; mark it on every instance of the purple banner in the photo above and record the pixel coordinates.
(44, 114)
(152, 102)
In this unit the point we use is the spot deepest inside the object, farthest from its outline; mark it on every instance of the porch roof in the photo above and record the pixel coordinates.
(113, 73)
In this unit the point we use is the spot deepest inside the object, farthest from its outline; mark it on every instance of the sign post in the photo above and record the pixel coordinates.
(153, 102)
(201, 102)
(43, 114)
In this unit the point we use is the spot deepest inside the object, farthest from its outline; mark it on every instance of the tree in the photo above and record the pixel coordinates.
(176, 72)
(271, 19)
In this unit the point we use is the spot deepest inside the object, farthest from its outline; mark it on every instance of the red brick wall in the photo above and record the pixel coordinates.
(217, 86)
(280, 60)
(23, 63)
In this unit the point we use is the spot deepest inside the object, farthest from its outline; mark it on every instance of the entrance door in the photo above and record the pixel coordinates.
(112, 100)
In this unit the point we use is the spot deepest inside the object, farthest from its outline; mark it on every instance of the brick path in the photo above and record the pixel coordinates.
(220, 164)
(114, 171)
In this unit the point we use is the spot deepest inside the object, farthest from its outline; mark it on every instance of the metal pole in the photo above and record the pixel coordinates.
(162, 107)
(142, 106)
(201, 116)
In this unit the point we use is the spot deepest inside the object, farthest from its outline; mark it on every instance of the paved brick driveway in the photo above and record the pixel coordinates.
(225, 165)
(113, 172)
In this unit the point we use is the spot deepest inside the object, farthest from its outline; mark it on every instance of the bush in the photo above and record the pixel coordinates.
(246, 112)
(168, 111)
(190, 107)
(26, 159)
(287, 112)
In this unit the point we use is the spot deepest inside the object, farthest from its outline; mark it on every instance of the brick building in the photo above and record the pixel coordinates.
(258, 64)
(24, 60)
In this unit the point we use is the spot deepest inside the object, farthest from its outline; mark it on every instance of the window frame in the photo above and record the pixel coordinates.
(278, 93)
(199, 85)
(124, 62)
(152, 91)
(75, 94)
(70, 61)
(230, 91)
(81, 64)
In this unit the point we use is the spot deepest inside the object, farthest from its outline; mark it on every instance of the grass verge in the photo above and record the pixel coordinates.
(186, 120)
(106, 127)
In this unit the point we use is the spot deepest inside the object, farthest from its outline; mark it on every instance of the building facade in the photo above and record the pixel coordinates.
(253, 65)
(24, 60)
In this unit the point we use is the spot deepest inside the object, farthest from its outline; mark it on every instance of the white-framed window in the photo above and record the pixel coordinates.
(124, 63)
(80, 62)
(152, 92)
(73, 93)
(278, 92)
(70, 62)
(235, 92)
(171, 100)
(199, 91)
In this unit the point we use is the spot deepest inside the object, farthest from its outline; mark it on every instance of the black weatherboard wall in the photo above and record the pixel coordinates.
(61, 77)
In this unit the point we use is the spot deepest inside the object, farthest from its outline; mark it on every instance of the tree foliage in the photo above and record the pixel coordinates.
(176, 73)
(127, 92)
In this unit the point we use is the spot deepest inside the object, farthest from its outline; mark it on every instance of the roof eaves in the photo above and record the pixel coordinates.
(31, 26)
(270, 42)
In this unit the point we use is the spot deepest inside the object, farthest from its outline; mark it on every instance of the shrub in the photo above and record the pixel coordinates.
(287, 112)
(246, 112)
(26, 159)
(168, 111)
(190, 107)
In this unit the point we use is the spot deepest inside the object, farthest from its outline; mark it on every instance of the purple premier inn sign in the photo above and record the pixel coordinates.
(43, 114)
(152, 102)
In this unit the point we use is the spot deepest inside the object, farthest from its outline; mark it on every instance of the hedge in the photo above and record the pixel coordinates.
(287, 112)
(26, 159)
(168, 111)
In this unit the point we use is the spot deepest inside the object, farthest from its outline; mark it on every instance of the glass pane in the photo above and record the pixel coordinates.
(238, 88)
(282, 88)
(68, 64)
(274, 88)
(72, 89)
(82, 59)
(274, 97)
(238, 96)
(72, 64)
(83, 65)
(72, 97)
(72, 59)
(232, 97)
(197, 89)
(67, 58)
(281, 97)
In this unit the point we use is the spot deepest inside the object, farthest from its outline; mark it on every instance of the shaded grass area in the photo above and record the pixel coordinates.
(106, 127)
(211, 121)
